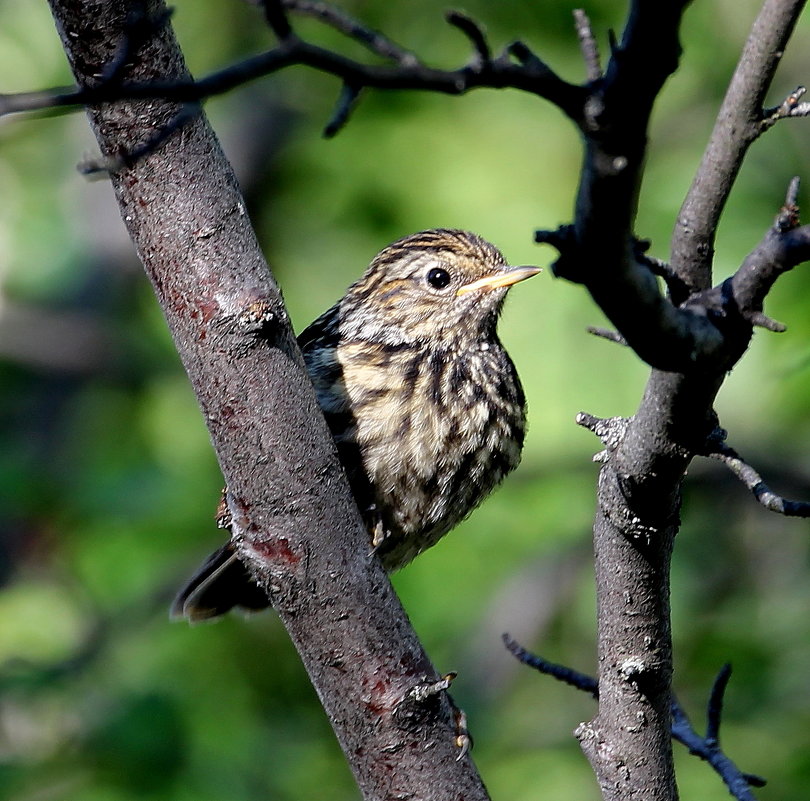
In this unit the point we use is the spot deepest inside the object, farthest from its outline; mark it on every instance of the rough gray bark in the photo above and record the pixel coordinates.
(292, 508)
(691, 339)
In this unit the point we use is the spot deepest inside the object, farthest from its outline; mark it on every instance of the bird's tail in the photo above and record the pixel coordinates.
(221, 583)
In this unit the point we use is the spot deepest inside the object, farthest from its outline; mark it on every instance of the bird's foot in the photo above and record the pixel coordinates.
(223, 515)
(379, 535)
(422, 692)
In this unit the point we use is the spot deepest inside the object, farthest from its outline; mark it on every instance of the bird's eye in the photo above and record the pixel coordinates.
(438, 278)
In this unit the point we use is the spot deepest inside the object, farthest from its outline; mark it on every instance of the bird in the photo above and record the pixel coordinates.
(423, 402)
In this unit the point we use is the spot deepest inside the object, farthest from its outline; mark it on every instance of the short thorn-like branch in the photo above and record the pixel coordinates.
(276, 18)
(751, 479)
(346, 103)
(610, 430)
(761, 320)
(523, 54)
(791, 106)
(785, 245)
(588, 45)
(607, 333)
(560, 238)
(707, 748)
(473, 31)
(338, 19)
(421, 692)
(678, 290)
(564, 240)
(714, 710)
(788, 217)
(92, 167)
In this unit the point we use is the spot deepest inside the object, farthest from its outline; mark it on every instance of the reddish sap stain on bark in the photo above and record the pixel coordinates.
(209, 308)
(377, 696)
(277, 550)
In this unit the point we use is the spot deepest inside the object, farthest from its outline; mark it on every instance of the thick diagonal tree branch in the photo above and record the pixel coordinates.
(292, 508)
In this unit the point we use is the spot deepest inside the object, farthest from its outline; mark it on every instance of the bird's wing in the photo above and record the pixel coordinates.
(319, 344)
(320, 332)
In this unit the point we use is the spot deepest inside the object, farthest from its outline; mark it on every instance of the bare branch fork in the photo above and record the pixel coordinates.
(515, 67)
(705, 747)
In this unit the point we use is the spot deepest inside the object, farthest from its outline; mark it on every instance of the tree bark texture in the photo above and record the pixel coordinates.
(294, 518)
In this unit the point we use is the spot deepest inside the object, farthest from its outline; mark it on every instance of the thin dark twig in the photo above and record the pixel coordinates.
(574, 678)
(347, 101)
(707, 748)
(276, 18)
(531, 75)
(473, 31)
(607, 333)
(753, 481)
(338, 19)
(714, 711)
(139, 28)
(116, 163)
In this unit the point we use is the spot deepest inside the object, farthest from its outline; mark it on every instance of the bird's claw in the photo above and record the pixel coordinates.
(463, 738)
(421, 692)
(223, 513)
(379, 535)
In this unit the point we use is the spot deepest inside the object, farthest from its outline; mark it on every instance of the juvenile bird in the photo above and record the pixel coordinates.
(423, 402)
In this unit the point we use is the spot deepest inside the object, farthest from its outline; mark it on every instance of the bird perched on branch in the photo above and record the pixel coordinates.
(423, 402)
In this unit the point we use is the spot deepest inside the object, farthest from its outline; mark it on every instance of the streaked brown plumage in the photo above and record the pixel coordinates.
(425, 405)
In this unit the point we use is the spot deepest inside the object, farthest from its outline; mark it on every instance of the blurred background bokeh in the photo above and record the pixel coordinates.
(108, 483)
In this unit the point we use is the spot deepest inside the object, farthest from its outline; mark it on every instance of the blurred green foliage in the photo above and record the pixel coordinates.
(107, 481)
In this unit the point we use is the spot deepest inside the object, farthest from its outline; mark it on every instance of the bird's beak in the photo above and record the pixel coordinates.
(504, 277)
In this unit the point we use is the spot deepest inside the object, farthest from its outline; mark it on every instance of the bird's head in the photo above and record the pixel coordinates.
(438, 285)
